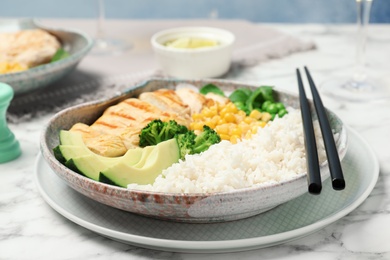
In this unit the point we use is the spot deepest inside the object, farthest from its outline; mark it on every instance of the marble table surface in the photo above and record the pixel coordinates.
(31, 229)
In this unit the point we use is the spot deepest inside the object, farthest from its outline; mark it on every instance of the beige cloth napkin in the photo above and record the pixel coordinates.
(102, 76)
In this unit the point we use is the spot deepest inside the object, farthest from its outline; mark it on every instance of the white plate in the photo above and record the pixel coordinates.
(292, 220)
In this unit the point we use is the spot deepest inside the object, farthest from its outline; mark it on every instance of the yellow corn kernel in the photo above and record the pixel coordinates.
(234, 139)
(239, 118)
(223, 112)
(214, 108)
(254, 129)
(210, 124)
(232, 108)
(248, 135)
(256, 114)
(262, 123)
(236, 131)
(224, 137)
(208, 112)
(222, 129)
(266, 117)
(249, 120)
(196, 125)
(241, 113)
(221, 121)
(216, 119)
(230, 118)
(244, 127)
(196, 116)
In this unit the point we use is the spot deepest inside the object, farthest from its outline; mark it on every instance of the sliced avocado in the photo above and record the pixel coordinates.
(144, 156)
(71, 138)
(76, 156)
(72, 145)
(58, 154)
(64, 153)
(88, 165)
(161, 157)
(73, 151)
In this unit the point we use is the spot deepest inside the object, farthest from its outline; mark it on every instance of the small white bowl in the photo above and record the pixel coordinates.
(186, 63)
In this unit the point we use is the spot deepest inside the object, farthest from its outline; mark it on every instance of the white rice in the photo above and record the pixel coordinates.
(276, 153)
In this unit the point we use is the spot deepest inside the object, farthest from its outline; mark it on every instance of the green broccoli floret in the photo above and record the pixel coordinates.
(158, 131)
(189, 143)
(205, 139)
(185, 142)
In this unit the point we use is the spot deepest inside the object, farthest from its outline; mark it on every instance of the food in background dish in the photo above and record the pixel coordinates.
(191, 43)
(27, 49)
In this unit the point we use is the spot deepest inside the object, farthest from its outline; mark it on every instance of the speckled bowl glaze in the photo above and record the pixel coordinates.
(194, 208)
(76, 43)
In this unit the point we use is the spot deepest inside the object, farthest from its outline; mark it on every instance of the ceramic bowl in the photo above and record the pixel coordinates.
(185, 63)
(195, 208)
(76, 43)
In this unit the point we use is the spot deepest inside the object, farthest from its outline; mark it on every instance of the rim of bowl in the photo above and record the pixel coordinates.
(48, 155)
(226, 37)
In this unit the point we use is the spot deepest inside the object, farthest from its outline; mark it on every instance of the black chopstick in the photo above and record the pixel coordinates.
(313, 166)
(335, 169)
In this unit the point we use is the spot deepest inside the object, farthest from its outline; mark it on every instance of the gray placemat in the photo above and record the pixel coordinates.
(58, 96)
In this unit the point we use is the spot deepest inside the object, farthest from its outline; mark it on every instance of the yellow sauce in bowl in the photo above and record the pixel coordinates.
(191, 43)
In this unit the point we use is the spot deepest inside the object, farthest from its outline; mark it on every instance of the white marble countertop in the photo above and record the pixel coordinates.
(31, 229)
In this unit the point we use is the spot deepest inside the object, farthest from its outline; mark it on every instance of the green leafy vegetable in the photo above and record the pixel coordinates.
(240, 95)
(268, 93)
(59, 55)
(211, 88)
(259, 96)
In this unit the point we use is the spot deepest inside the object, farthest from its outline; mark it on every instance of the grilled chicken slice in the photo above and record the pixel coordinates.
(127, 118)
(193, 99)
(217, 98)
(103, 144)
(130, 136)
(167, 100)
(145, 111)
(130, 113)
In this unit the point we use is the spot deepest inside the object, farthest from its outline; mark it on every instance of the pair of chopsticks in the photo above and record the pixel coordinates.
(313, 167)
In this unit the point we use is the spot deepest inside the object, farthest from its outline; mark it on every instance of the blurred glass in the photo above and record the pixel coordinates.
(107, 45)
(357, 85)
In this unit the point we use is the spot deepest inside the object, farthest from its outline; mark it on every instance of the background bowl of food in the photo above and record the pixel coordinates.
(33, 56)
(105, 149)
(193, 52)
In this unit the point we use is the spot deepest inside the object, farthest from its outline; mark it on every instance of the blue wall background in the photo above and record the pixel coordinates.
(296, 11)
